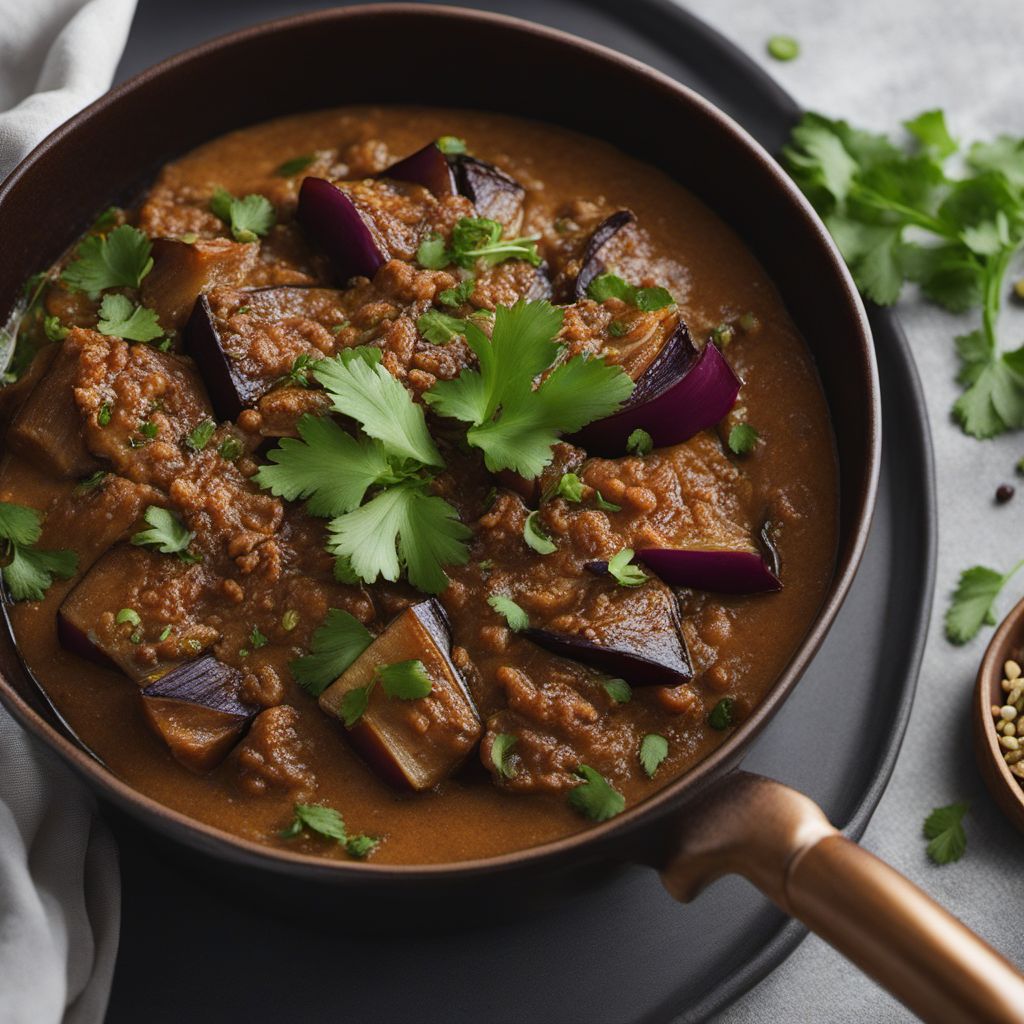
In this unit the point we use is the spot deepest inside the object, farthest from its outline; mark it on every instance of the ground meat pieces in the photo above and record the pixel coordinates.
(271, 757)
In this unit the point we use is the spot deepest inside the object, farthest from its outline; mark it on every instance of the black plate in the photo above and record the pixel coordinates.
(626, 953)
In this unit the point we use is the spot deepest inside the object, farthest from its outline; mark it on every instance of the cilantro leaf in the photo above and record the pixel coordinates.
(1005, 155)
(440, 328)
(742, 439)
(973, 601)
(604, 505)
(929, 128)
(611, 286)
(721, 715)
(118, 260)
(501, 746)
(625, 573)
(406, 680)
(569, 487)
(516, 618)
(653, 750)
(324, 821)
(535, 537)
(944, 827)
(619, 690)
(361, 846)
(248, 218)
(595, 798)
(402, 526)
(459, 294)
(293, 166)
(451, 145)
(167, 534)
(120, 318)
(639, 443)
(30, 572)
(432, 252)
(360, 387)
(19, 524)
(199, 436)
(354, 704)
(335, 645)
(477, 238)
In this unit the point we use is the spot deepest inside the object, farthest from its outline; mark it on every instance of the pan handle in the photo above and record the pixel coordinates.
(781, 841)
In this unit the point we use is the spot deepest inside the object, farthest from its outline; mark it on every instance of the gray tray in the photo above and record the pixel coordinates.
(627, 952)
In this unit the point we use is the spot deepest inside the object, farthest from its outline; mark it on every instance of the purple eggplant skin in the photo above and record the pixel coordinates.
(428, 167)
(495, 195)
(230, 392)
(676, 397)
(540, 286)
(660, 662)
(590, 263)
(334, 223)
(722, 572)
(73, 638)
(207, 682)
(434, 620)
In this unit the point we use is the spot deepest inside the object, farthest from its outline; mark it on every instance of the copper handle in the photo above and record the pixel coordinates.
(782, 842)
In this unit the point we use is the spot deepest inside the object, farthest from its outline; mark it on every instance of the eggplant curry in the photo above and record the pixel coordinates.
(410, 484)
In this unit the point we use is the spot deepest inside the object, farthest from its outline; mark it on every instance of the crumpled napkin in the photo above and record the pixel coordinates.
(60, 898)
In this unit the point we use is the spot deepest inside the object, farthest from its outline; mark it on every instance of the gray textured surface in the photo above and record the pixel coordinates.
(875, 63)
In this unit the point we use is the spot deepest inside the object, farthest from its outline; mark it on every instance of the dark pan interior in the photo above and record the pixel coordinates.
(112, 150)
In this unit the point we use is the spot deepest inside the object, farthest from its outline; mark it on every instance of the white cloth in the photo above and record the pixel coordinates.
(60, 898)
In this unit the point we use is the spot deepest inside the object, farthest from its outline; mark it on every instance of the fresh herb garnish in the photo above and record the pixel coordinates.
(783, 48)
(54, 329)
(298, 375)
(289, 620)
(103, 415)
(405, 680)
(335, 645)
(29, 572)
(248, 218)
(230, 449)
(611, 286)
(945, 830)
(653, 750)
(118, 260)
(199, 436)
(625, 573)
(721, 716)
(257, 639)
(535, 537)
(605, 506)
(129, 615)
(293, 166)
(121, 318)
(570, 487)
(328, 823)
(475, 238)
(91, 482)
(619, 690)
(440, 328)
(167, 533)
(149, 429)
(459, 294)
(595, 798)
(511, 421)
(516, 618)
(639, 443)
(973, 601)
(501, 747)
(451, 145)
(743, 439)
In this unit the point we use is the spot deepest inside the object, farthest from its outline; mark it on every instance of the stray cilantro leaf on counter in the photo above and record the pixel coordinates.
(945, 830)
(973, 601)
(653, 750)
(501, 747)
(329, 824)
(199, 437)
(248, 218)
(516, 618)
(870, 191)
(29, 572)
(335, 645)
(639, 443)
(625, 573)
(167, 533)
(118, 260)
(121, 318)
(293, 166)
(743, 439)
(536, 538)
(619, 690)
(595, 798)
(611, 286)
(783, 48)
(475, 238)
(514, 423)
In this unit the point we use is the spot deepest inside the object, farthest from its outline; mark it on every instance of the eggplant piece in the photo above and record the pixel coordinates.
(47, 429)
(540, 287)
(182, 271)
(428, 167)
(335, 224)
(197, 711)
(716, 570)
(680, 394)
(590, 263)
(495, 195)
(230, 391)
(411, 744)
(631, 633)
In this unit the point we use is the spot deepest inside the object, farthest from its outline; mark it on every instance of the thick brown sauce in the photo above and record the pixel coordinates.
(715, 279)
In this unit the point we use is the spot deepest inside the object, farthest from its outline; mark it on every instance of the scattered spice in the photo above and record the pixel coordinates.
(1004, 492)
(1007, 716)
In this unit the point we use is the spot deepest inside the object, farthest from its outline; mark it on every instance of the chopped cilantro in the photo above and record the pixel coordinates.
(355, 703)
(619, 690)
(149, 429)
(440, 328)
(293, 166)
(199, 437)
(298, 375)
(570, 487)
(945, 830)
(257, 639)
(361, 846)
(248, 218)
(501, 746)
(721, 716)
(336, 644)
(54, 329)
(433, 252)
(611, 286)
(118, 260)
(451, 145)
(405, 680)
(626, 574)
(473, 239)
(743, 439)
(167, 533)
(617, 329)
(516, 618)
(653, 750)
(91, 482)
(511, 421)
(536, 538)
(973, 603)
(459, 294)
(639, 442)
(230, 449)
(595, 798)
(104, 414)
(29, 572)
(289, 620)
(329, 824)
(120, 318)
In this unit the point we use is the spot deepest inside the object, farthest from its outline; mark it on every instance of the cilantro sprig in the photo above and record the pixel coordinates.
(335, 645)
(405, 680)
(166, 533)
(327, 823)
(872, 192)
(595, 797)
(473, 239)
(29, 572)
(945, 831)
(120, 259)
(121, 318)
(611, 286)
(249, 218)
(973, 603)
(512, 422)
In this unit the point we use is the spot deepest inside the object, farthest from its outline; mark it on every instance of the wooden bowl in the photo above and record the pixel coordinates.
(1007, 644)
